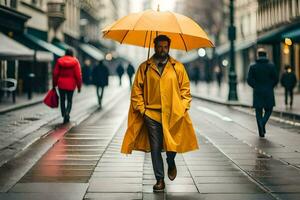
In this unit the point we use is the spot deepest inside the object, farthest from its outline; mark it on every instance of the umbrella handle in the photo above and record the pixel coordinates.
(149, 46)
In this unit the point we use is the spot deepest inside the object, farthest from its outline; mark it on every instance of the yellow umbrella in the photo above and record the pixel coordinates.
(141, 28)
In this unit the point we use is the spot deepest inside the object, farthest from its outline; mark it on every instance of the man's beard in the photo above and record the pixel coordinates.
(161, 57)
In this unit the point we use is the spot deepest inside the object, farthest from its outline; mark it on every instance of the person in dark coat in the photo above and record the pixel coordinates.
(130, 72)
(86, 72)
(196, 75)
(219, 75)
(120, 72)
(100, 75)
(262, 77)
(67, 76)
(288, 81)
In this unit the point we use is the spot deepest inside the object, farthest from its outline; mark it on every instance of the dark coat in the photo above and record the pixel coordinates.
(67, 73)
(262, 77)
(120, 70)
(86, 74)
(288, 80)
(130, 70)
(100, 75)
(196, 74)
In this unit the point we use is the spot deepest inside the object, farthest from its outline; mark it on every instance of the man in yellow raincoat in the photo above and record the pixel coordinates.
(158, 119)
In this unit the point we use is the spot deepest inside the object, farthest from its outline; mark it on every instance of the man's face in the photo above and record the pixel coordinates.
(162, 49)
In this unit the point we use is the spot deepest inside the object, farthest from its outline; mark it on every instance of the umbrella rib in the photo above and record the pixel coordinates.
(145, 39)
(149, 45)
(177, 22)
(105, 33)
(143, 13)
(181, 33)
(183, 42)
(124, 37)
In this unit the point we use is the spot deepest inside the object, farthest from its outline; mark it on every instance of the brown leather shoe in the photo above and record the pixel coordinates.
(159, 186)
(172, 173)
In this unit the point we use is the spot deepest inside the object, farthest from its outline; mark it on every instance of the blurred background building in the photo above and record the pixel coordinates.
(272, 24)
(278, 23)
(37, 32)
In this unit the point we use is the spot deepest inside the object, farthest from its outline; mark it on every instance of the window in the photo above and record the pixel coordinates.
(9, 3)
(298, 7)
(34, 2)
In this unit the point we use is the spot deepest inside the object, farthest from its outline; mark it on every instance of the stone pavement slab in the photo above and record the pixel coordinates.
(197, 196)
(113, 196)
(62, 190)
(37, 196)
(292, 196)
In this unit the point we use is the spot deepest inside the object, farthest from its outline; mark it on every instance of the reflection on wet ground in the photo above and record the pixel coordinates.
(270, 162)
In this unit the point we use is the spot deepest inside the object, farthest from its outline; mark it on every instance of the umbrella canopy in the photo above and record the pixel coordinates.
(141, 28)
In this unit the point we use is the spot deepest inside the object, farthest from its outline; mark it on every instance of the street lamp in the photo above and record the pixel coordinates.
(201, 52)
(225, 63)
(232, 96)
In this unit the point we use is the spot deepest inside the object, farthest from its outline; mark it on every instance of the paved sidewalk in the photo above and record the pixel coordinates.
(272, 162)
(22, 127)
(231, 163)
(87, 163)
(213, 93)
(21, 102)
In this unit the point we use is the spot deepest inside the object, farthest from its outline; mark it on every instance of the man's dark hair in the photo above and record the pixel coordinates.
(69, 52)
(286, 67)
(261, 52)
(161, 38)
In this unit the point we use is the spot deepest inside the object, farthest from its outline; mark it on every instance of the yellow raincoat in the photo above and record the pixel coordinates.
(173, 86)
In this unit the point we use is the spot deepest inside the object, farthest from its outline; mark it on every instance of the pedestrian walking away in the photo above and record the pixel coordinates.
(67, 76)
(100, 75)
(130, 72)
(120, 72)
(262, 77)
(86, 72)
(196, 75)
(158, 118)
(219, 75)
(288, 81)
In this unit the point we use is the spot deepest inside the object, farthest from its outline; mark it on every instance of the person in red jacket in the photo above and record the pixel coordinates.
(67, 76)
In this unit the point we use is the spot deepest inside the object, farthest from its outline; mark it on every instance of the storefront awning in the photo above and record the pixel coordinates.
(44, 56)
(240, 45)
(92, 51)
(12, 50)
(293, 34)
(273, 36)
(45, 45)
(189, 57)
(61, 45)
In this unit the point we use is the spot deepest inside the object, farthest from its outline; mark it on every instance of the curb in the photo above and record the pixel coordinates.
(293, 116)
(20, 106)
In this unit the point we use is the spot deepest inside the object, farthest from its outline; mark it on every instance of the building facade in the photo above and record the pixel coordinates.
(245, 21)
(246, 35)
(40, 31)
(278, 23)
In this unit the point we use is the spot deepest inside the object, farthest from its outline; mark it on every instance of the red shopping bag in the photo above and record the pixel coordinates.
(51, 99)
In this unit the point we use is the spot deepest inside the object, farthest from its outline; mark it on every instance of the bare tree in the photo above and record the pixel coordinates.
(209, 14)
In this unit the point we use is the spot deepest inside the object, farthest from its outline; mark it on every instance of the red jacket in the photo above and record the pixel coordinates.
(67, 73)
